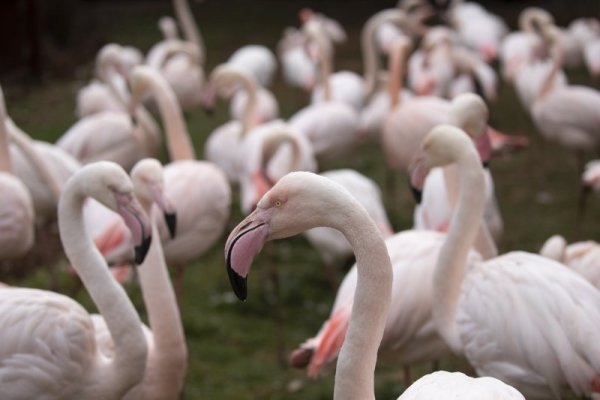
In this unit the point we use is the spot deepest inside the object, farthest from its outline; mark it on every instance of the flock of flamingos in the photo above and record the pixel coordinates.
(526, 323)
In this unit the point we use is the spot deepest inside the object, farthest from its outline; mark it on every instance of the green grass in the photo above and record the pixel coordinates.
(236, 349)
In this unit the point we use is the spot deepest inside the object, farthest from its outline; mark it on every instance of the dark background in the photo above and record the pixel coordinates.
(42, 39)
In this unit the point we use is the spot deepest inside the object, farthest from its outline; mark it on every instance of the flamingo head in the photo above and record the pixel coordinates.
(299, 201)
(148, 181)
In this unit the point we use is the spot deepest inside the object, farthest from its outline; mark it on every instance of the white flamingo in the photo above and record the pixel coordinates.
(167, 351)
(199, 190)
(301, 201)
(472, 306)
(567, 113)
(331, 127)
(49, 349)
(223, 144)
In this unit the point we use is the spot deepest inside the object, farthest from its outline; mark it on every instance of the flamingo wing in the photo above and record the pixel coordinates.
(531, 322)
(47, 344)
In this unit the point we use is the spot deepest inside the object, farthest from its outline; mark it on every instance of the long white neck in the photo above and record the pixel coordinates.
(179, 144)
(464, 226)
(167, 359)
(189, 26)
(127, 366)
(548, 84)
(43, 168)
(367, 40)
(484, 243)
(354, 378)
(249, 86)
(325, 64)
(396, 71)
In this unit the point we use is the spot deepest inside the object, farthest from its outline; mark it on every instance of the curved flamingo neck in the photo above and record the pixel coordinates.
(396, 71)
(273, 143)
(5, 165)
(189, 26)
(109, 297)
(548, 84)
(367, 39)
(167, 358)
(464, 226)
(325, 62)
(354, 378)
(179, 144)
(43, 168)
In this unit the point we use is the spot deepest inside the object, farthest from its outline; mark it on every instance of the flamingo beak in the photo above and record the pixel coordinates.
(166, 207)
(243, 245)
(418, 171)
(138, 223)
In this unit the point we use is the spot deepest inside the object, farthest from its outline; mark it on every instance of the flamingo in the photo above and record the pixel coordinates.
(99, 96)
(383, 97)
(183, 70)
(17, 218)
(581, 257)
(298, 68)
(499, 313)
(167, 351)
(111, 135)
(222, 145)
(444, 384)
(199, 190)
(479, 29)
(331, 126)
(524, 46)
(567, 114)
(256, 60)
(300, 201)
(49, 349)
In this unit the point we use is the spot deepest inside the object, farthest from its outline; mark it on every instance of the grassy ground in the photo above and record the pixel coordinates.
(236, 349)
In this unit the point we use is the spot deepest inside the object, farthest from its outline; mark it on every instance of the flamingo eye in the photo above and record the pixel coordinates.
(278, 203)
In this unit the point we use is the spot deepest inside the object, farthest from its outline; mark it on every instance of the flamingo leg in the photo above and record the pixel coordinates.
(406, 376)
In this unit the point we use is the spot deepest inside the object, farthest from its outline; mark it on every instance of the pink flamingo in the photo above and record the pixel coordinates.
(167, 351)
(49, 349)
(199, 190)
(493, 310)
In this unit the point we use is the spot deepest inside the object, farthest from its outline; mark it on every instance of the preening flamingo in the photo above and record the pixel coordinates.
(167, 351)
(183, 70)
(223, 145)
(554, 311)
(300, 201)
(17, 218)
(331, 126)
(456, 385)
(48, 348)
(199, 190)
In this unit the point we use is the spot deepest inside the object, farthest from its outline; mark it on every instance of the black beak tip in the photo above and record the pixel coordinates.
(142, 250)
(171, 220)
(417, 194)
(238, 284)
